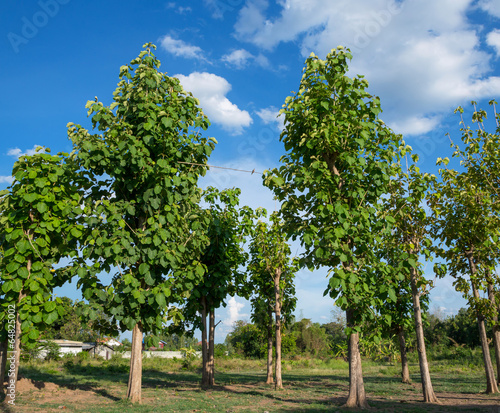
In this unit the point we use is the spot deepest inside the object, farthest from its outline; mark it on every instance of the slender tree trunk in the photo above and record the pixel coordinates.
(277, 309)
(427, 388)
(270, 379)
(496, 328)
(4, 347)
(135, 375)
(211, 344)
(204, 346)
(405, 371)
(491, 384)
(357, 395)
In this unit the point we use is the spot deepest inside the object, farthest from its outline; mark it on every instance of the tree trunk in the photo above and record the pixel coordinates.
(277, 310)
(204, 346)
(427, 388)
(270, 379)
(491, 384)
(405, 371)
(135, 375)
(357, 395)
(17, 338)
(211, 344)
(4, 347)
(496, 329)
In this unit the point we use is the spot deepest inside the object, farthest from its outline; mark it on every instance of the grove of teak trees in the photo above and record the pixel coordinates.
(126, 202)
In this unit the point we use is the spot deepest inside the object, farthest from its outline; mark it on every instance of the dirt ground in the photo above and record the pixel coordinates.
(39, 393)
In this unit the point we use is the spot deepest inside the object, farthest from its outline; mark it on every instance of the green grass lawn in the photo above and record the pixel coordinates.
(310, 386)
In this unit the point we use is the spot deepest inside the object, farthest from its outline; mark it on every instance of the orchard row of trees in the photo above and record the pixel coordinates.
(126, 202)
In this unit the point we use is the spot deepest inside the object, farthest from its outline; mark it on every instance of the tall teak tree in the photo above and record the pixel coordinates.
(467, 225)
(39, 228)
(408, 239)
(228, 225)
(142, 194)
(272, 271)
(338, 164)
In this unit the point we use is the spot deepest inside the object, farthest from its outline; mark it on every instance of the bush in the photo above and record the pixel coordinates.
(53, 351)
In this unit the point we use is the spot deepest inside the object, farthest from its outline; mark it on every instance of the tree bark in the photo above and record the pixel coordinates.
(135, 375)
(204, 346)
(277, 309)
(211, 344)
(270, 379)
(357, 395)
(491, 384)
(427, 389)
(496, 328)
(4, 347)
(405, 371)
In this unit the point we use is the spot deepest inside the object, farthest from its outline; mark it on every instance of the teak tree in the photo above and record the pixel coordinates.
(143, 167)
(272, 271)
(340, 157)
(465, 208)
(39, 227)
(228, 225)
(408, 239)
(480, 157)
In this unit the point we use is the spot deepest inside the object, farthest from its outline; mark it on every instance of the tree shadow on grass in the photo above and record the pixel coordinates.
(39, 378)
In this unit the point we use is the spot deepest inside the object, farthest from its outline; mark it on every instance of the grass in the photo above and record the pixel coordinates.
(310, 386)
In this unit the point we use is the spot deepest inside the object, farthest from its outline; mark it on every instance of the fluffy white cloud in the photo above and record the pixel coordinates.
(233, 312)
(211, 90)
(493, 40)
(182, 49)
(16, 152)
(422, 57)
(491, 6)
(241, 58)
(270, 115)
(6, 179)
(238, 58)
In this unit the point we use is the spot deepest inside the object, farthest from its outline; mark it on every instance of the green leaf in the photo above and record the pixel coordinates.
(50, 317)
(143, 268)
(148, 278)
(7, 286)
(75, 232)
(30, 198)
(17, 285)
(50, 306)
(33, 334)
(160, 299)
(42, 207)
(392, 295)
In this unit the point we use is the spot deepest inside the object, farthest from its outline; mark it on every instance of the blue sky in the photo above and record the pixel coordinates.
(242, 58)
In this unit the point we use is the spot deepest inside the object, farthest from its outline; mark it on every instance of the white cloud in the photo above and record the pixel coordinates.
(6, 179)
(16, 152)
(493, 40)
(233, 311)
(241, 58)
(181, 49)
(422, 57)
(270, 115)
(415, 125)
(211, 90)
(238, 58)
(491, 6)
